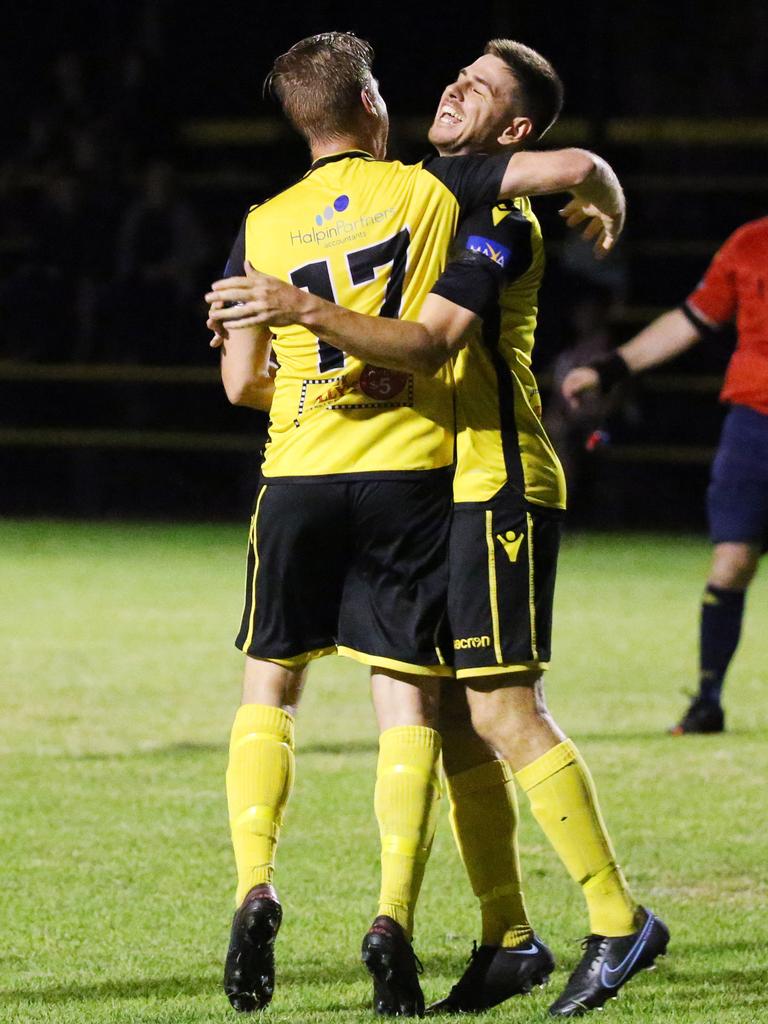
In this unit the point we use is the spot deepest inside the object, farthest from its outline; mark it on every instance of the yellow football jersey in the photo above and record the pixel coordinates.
(371, 235)
(500, 438)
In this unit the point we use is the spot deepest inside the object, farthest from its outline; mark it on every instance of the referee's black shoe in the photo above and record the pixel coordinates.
(395, 970)
(496, 973)
(249, 971)
(609, 963)
(703, 716)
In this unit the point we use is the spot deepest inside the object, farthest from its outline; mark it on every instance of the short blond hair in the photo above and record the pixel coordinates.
(319, 80)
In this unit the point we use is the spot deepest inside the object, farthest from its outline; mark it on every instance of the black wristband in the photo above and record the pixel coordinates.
(611, 370)
(704, 329)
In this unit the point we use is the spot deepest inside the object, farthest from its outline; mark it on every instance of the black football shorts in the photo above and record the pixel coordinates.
(502, 567)
(350, 565)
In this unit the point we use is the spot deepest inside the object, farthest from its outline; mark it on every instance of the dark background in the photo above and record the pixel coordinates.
(136, 136)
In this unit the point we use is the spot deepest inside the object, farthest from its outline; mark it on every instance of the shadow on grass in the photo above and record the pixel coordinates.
(200, 984)
(321, 972)
(661, 734)
(748, 979)
(676, 974)
(681, 986)
(340, 747)
(621, 737)
(192, 750)
(337, 748)
(172, 750)
(115, 988)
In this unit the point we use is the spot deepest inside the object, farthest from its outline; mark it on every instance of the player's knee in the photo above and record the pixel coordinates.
(494, 721)
(733, 566)
(463, 748)
(403, 699)
(486, 724)
(504, 714)
(266, 682)
(453, 715)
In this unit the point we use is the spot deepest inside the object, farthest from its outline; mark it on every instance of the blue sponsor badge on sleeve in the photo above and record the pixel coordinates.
(493, 250)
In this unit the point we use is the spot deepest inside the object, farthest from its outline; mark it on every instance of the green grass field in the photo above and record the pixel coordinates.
(118, 687)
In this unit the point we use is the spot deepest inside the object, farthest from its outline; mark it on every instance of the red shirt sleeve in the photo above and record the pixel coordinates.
(715, 296)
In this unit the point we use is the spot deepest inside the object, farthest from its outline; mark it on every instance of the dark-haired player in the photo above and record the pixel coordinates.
(509, 495)
(350, 523)
(733, 290)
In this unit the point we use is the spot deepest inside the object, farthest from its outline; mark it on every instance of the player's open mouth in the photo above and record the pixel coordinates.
(449, 115)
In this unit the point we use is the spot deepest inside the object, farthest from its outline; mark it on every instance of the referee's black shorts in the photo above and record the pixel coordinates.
(503, 562)
(354, 566)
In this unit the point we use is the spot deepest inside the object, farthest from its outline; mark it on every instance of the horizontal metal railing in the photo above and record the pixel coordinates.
(209, 441)
(152, 440)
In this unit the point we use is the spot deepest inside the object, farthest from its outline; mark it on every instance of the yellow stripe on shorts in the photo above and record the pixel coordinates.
(531, 590)
(252, 617)
(492, 585)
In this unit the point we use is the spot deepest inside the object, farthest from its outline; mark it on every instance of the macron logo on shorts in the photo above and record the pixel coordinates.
(464, 643)
(511, 542)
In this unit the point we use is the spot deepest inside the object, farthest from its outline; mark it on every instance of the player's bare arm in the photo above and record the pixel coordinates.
(598, 198)
(426, 345)
(421, 347)
(668, 336)
(399, 344)
(245, 368)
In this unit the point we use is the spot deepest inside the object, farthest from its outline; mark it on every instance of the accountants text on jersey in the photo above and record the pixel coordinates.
(372, 235)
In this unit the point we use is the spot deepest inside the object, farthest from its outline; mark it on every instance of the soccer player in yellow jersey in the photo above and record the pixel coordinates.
(348, 534)
(347, 546)
(509, 497)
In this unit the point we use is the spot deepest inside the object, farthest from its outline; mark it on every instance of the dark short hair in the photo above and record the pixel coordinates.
(319, 80)
(540, 85)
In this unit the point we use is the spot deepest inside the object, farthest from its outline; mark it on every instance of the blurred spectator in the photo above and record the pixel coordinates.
(73, 101)
(39, 298)
(160, 252)
(137, 115)
(590, 293)
(65, 108)
(570, 429)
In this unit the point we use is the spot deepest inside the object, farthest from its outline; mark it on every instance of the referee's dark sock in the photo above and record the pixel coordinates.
(721, 614)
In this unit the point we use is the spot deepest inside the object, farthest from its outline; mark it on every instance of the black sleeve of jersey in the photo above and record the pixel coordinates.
(474, 180)
(489, 256)
(236, 261)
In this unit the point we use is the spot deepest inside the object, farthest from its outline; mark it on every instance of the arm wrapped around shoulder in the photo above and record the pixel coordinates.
(472, 281)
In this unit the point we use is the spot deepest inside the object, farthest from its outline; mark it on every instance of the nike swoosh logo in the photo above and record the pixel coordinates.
(524, 952)
(612, 977)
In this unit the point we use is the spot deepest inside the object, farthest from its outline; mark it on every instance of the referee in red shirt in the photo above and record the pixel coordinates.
(733, 290)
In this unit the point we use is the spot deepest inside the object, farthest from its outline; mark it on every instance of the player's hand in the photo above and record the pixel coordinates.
(579, 383)
(603, 225)
(220, 333)
(259, 298)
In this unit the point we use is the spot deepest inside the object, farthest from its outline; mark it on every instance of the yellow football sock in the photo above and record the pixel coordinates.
(484, 822)
(259, 782)
(564, 802)
(406, 801)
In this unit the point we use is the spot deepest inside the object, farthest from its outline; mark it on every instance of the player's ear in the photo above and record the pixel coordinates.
(517, 133)
(372, 100)
(369, 102)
